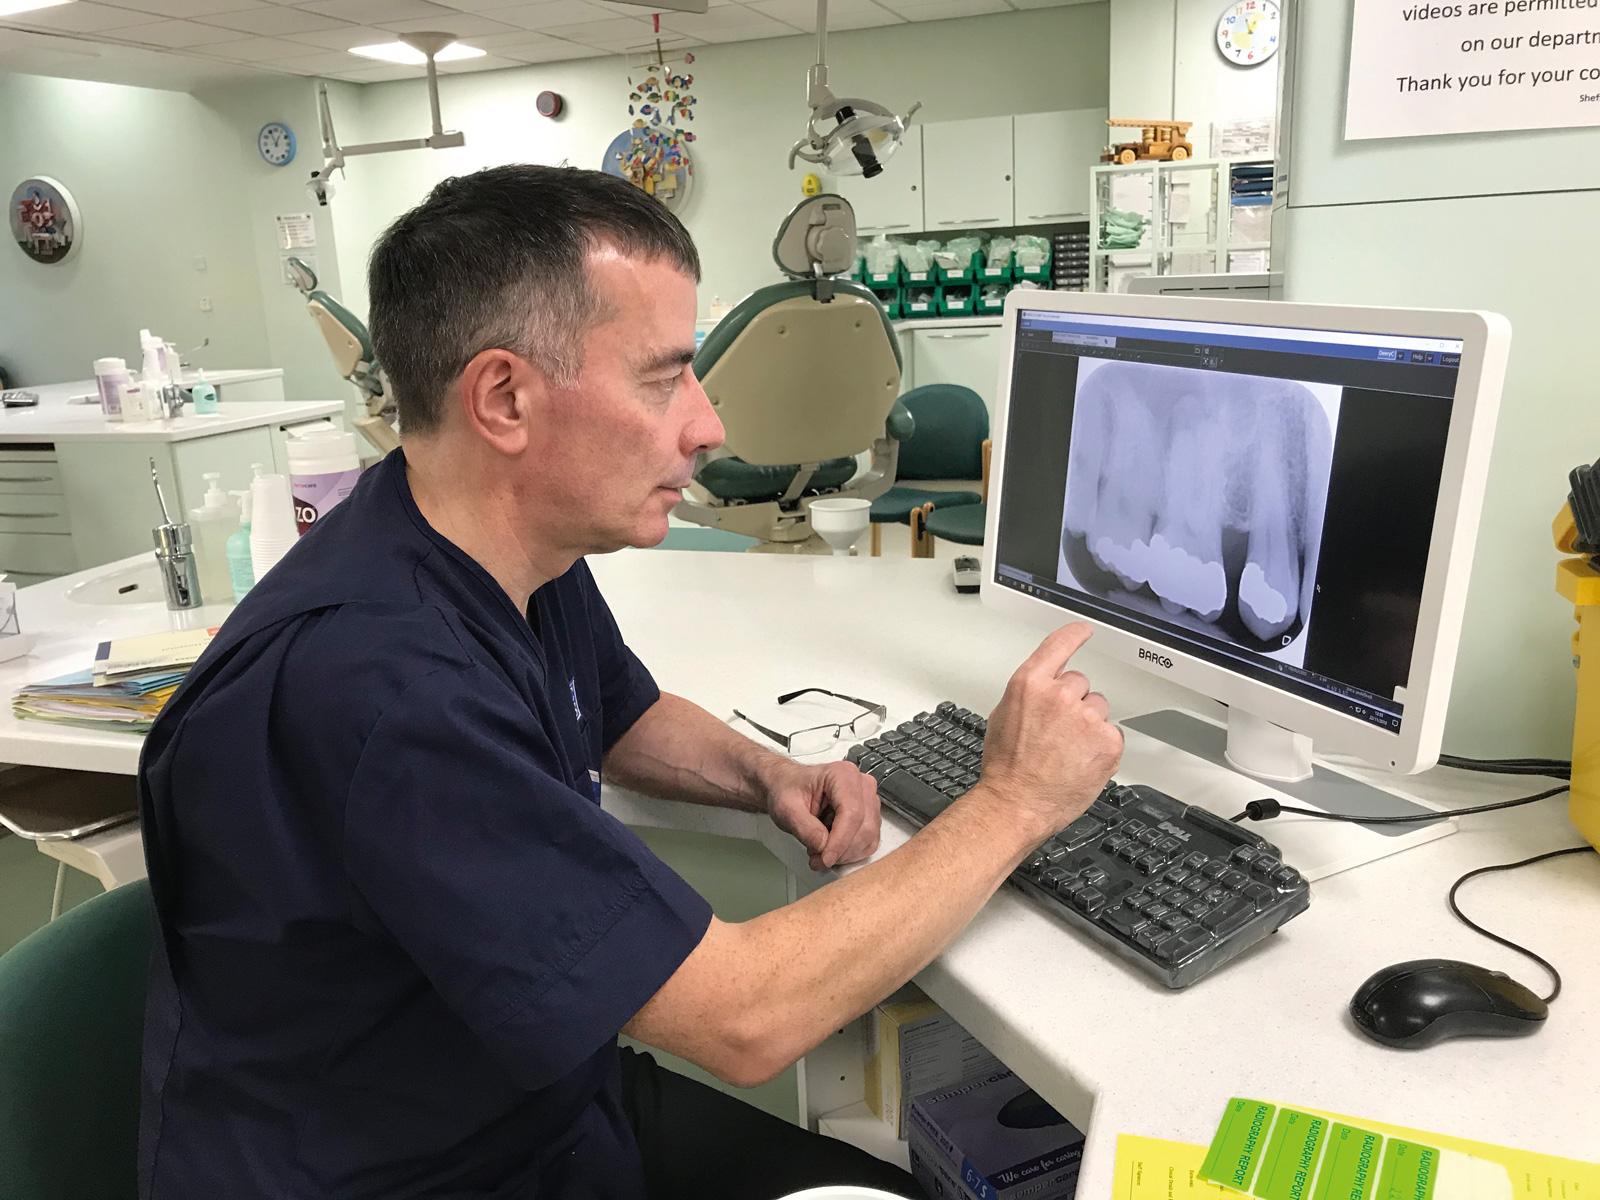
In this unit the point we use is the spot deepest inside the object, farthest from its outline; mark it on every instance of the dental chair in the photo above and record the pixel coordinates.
(805, 376)
(353, 356)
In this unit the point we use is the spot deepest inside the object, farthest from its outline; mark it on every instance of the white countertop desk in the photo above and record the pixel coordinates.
(1112, 1049)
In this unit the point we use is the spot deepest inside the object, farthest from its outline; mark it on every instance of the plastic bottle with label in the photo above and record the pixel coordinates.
(323, 469)
(110, 374)
(213, 522)
(241, 572)
(204, 396)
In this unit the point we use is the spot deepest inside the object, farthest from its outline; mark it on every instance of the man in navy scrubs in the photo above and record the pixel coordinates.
(398, 935)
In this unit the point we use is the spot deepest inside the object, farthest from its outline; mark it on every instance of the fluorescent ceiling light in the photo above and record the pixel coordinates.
(10, 8)
(399, 52)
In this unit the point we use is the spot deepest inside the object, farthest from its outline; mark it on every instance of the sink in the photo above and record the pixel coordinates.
(139, 584)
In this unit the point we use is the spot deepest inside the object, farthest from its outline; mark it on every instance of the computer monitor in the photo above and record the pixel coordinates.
(1272, 504)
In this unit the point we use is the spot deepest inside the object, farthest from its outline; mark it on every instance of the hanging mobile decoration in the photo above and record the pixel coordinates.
(652, 154)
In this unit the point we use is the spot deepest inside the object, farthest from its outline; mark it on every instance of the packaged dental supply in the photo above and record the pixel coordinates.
(998, 1138)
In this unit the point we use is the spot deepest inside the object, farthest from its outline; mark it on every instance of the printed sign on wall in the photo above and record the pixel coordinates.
(1418, 67)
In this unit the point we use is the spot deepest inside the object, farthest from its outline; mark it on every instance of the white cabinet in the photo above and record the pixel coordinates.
(891, 202)
(964, 355)
(1053, 154)
(966, 171)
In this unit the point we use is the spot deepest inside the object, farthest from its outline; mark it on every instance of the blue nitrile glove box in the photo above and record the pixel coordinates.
(998, 1138)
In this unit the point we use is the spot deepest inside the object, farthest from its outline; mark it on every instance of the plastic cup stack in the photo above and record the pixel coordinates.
(272, 528)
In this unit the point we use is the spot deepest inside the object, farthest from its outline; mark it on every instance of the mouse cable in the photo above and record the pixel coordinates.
(1554, 974)
(1555, 768)
(1266, 809)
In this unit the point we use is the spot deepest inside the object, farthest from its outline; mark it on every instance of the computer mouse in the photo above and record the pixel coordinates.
(1418, 1003)
(1028, 1110)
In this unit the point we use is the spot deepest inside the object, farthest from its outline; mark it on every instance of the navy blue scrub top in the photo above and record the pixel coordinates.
(398, 936)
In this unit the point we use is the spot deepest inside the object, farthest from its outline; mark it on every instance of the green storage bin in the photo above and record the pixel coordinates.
(928, 278)
(918, 300)
(1041, 274)
(880, 282)
(989, 308)
(962, 274)
(958, 300)
(997, 274)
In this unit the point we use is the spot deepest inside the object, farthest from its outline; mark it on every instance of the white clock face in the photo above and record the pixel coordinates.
(276, 143)
(1247, 32)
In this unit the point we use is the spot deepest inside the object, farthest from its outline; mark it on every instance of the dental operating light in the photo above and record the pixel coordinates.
(866, 129)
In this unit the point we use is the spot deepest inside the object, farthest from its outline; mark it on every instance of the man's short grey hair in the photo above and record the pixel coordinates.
(496, 259)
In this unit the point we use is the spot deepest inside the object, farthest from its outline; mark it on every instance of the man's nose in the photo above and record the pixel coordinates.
(704, 430)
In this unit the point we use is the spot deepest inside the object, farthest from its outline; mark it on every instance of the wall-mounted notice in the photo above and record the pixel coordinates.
(1420, 67)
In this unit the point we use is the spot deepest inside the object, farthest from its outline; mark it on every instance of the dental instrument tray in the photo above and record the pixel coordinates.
(1174, 889)
(19, 399)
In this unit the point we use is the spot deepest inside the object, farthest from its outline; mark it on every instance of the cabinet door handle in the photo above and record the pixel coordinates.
(1048, 216)
(28, 516)
(25, 479)
(949, 337)
(970, 221)
(870, 228)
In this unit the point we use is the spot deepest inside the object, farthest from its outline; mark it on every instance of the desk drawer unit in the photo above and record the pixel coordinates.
(35, 529)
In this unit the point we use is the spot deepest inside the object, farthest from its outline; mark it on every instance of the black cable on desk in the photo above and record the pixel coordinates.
(1555, 768)
(1554, 974)
(1266, 809)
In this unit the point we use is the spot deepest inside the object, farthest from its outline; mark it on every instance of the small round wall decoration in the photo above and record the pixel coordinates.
(44, 220)
(549, 104)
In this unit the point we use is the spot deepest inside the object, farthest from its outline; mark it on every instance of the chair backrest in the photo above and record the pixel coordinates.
(951, 424)
(71, 1023)
(796, 380)
(345, 333)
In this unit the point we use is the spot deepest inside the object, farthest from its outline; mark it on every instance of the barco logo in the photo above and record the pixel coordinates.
(1160, 660)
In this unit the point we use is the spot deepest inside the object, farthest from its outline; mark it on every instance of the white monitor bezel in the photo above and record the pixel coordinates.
(1485, 339)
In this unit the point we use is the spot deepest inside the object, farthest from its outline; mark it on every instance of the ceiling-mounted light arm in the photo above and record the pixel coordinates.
(428, 44)
(867, 129)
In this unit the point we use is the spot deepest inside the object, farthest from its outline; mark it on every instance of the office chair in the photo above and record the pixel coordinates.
(951, 425)
(804, 375)
(963, 525)
(71, 1024)
(353, 356)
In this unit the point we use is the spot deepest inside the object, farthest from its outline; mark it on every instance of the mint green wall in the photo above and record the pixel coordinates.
(156, 180)
(295, 342)
(1492, 221)
(751, 108)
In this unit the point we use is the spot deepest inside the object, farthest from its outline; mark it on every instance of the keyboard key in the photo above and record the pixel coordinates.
(1081, 832)
(1286, 878)
(1196, 909)
(1243, 856)
(1169, 844)
(1214, 868)
(1052, 877)
(1089, 900)
(1054, 852)
(1181, 945)
(1134, 827)
(1137, 898)
(1263, 866)
(1123, 920)
(1114, 842)
(1233, 880)
(1151, 936)
(1197, 884)
(1228, 916)
(1130, 851)
(945, 708)
(1178, 874)
(1150, 837)
(1096, 876)
(1175, 921)
(1119, 797)
(1260, 895)
(1148, 864)
(1158, 890)
(1195, 860)
(1214, 895)
(1156, 910)
(1035, 863)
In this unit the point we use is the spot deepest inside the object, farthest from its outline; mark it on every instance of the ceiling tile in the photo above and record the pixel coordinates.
(734, 18)
(470, 66)
(253, 50)
(378, 73)
(82, 18)
(749, 35)
(940, 10)
(273, 22)
(546, 16)
(463, 25)
(375, 12)
(550, 50)
(842, 14)
(177, 34)
(483, 6)
(189, 8)
(1038, 3)
(322, 60)
(343, 37)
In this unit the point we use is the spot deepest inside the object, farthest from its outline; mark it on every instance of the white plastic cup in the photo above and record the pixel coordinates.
(110, 374)
(272, 525)
(324, 467)
(840, 520)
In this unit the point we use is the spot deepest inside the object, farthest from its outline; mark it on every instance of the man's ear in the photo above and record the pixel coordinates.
(499, 395)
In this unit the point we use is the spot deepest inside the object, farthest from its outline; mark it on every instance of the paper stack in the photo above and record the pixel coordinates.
(126, 688)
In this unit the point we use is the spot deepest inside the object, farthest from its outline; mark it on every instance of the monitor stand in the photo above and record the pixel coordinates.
(1188, 757)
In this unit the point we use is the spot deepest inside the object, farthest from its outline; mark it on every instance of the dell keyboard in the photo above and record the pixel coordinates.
(1176, 889)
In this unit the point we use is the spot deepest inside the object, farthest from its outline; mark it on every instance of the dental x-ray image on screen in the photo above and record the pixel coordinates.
(1196, 497)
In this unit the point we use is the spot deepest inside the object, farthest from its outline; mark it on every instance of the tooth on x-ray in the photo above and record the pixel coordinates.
(1166, 462)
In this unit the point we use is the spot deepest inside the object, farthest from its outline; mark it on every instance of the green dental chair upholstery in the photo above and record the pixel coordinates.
(71, 1026)
(951, 425)
(804, 375)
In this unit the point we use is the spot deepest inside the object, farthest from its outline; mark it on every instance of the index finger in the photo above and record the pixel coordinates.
(1057, 650)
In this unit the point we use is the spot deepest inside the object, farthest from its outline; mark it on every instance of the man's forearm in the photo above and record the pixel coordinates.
(756, 996)
(679, 751)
